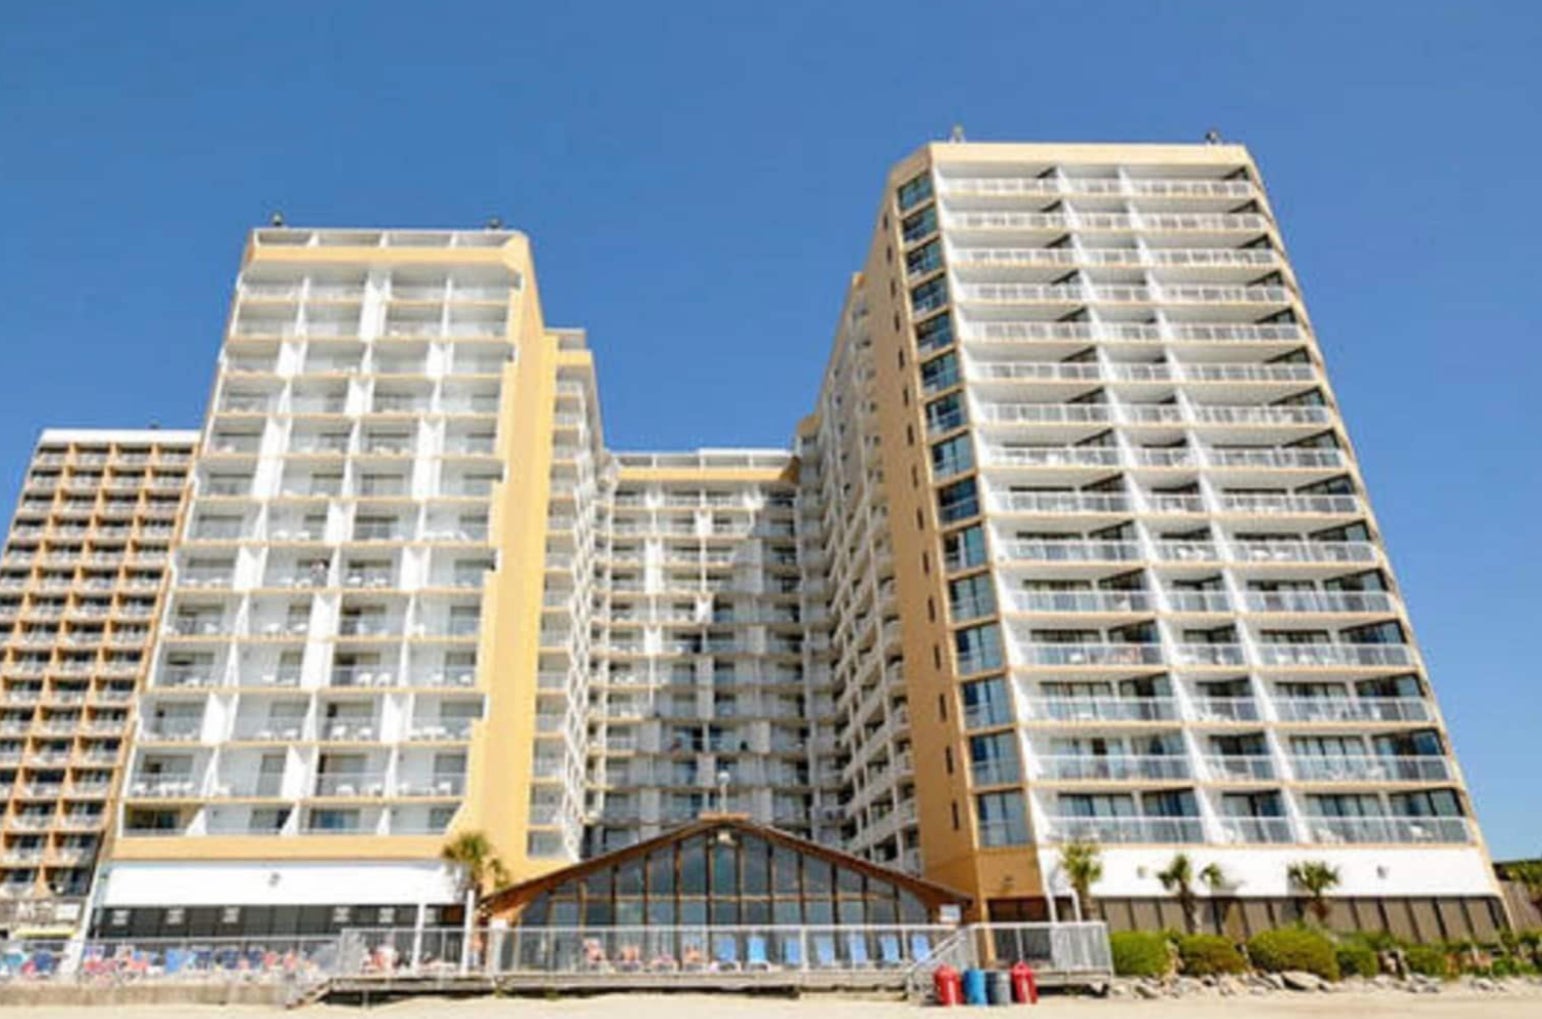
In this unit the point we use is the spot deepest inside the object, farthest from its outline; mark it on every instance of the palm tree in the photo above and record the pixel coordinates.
(1178, 879)
(1316, 878)
(1083, 866)
(477, 861)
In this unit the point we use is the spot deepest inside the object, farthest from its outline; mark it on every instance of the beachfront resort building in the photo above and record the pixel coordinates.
(1073, 545)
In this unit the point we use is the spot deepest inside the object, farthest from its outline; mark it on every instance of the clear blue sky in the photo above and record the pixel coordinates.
(699, 179)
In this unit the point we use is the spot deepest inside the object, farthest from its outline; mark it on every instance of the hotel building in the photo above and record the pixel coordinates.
(81, 578)
(1073, 546)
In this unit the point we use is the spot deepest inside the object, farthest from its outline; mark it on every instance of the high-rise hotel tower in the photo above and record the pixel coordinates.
(1073, 546)
(1140, 595)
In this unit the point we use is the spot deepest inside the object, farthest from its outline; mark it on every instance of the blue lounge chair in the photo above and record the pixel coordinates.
(889, 950)
(755, 953)
(856, 951)
(725, 952)
(824, 951)
(920, 947)
(792, 951)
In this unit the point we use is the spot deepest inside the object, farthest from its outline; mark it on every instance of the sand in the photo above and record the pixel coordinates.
(1452, 1004)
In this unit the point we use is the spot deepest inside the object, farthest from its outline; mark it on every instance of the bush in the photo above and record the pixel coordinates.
(1294, 948)
(1358, 959)
(1206, 955)
(1429, 961)
(1140, 954)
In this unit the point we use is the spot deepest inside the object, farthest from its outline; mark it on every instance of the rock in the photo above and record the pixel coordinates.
(1146, 991)
(1384, 982)
(1483, 984)
(1229, 985)
(1273, 981)
(1296, 980)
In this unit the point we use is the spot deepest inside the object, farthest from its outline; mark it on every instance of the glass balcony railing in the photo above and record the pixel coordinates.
(1388, 829)
(1115, 768)
(1116, 830)
(1371, 768)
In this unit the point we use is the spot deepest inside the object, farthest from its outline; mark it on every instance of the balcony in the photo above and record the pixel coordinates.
(347, 785)
(441, 729)
(1305, 551)
(1208, 655)
(1346, 709)
(1375, 602)
(1115, 768)
(1240, 768)
(171, 730)
(1371, 768)
(1114, 655)
(1079, 601)
(1261, 830)
(163, 787)
(1388, 829)
(1061, 502)
(1104, 709)
(1375, 656)
(1290, 505)
(1225, 709)
(1117, 830)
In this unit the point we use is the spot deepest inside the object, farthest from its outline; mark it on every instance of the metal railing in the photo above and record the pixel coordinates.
(1067, 949)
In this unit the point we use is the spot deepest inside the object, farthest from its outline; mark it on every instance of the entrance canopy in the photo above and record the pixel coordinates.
(723, 871)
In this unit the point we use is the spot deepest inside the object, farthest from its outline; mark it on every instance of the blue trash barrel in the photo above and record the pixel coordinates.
(974, 988)
(998, 987)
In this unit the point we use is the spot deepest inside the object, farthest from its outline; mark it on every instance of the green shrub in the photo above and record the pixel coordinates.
(1140, 954)
(1429, 961)
(1356, 958)
(1207, 955)
(1294, 948)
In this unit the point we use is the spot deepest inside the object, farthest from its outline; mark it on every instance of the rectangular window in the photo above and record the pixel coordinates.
(915, 191)
(927, 258)
(939, 373)
(978, 648)
(993, 759)
(958, 501)
(934, 334)
(971, 597)
(952, 456)
(1002, 819)
(986, 703)
(922, 224)
(963, 549)
(945, 414)
(929, 296)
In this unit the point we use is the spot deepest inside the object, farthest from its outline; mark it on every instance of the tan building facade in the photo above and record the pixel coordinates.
(81, 581)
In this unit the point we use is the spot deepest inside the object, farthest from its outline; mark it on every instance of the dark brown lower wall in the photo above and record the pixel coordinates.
(1479, 918)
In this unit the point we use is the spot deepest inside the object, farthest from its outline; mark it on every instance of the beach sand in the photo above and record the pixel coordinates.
(1452, 1004)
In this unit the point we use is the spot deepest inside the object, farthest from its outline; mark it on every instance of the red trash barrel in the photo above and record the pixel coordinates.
(947, 986)
(1025, 989)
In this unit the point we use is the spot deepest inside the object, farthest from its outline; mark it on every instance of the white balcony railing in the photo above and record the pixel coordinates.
(1114, 830)
(1091, 654)
(1370, 768)
(1388, 829)
(1115, 768)
(1347, 709)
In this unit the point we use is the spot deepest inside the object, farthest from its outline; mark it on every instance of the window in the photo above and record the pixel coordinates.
(925, 259)
(958, 501)
(971, 597)
(929, 296)
(915, 227)
(952, 456)
(939, 373)
(945, 414)
(986, 703)
(915, 191)
(1001, 818)
(993, 759)
(978, 648)
(934, 334)
(963, 549)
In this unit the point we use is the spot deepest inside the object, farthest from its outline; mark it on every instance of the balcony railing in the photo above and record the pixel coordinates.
(1346, 709)
(1091, 654)
(1240, 767)
(1103, 709)
(1225, 709)
(1388, 829)
(1317, 601)
(1256, 829)
(1062, 502)
(1080, 601)
(1114, 830)
(350, 784)
(1115, 768)
(1203, 655)
(1351, 655)
(1072, 551)
(1371, 768)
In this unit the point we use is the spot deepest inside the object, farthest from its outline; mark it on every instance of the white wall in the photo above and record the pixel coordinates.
(255, 883)
(1260, 870)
